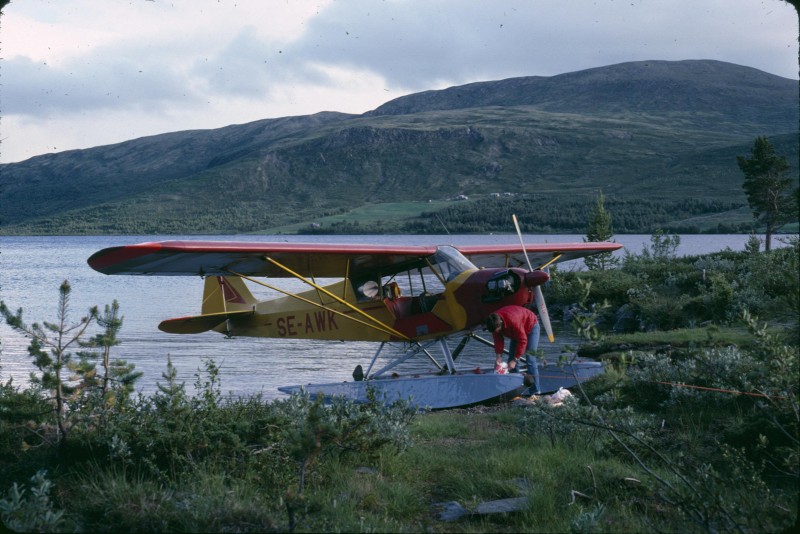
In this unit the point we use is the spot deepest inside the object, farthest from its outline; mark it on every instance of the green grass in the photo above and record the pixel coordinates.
(368, 215)
(718, 336)
(471, 458)
(712, 335)
(712, 221)
(206, 501)
(791, 228)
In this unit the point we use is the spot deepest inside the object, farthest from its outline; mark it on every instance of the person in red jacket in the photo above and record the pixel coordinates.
(521, 326)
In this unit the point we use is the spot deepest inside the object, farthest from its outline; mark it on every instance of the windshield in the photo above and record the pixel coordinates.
(450, 262)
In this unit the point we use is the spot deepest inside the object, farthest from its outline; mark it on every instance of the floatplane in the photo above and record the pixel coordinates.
(412, 299)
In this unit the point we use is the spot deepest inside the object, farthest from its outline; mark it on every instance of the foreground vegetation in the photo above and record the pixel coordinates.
(694, 427)
(655, 290)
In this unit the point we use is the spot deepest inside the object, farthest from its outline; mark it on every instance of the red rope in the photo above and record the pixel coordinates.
(719, 390)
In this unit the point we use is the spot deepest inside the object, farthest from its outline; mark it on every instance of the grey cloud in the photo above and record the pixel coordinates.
(249, 66)
(100, 81)
(414, 45)
(244, 67)
(417, 45)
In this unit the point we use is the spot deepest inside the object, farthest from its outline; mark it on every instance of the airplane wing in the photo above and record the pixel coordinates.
(221, 258)
(512, 255)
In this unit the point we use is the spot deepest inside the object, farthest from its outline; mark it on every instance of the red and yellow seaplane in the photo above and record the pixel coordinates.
(408, 297)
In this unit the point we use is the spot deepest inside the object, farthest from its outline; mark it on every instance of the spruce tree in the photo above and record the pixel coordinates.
(599, 229)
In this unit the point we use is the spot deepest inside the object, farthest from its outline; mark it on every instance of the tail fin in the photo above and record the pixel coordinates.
(226, 294)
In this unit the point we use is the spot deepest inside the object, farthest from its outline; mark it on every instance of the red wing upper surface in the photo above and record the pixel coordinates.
(217, 258)
(250, 258)
(512, 255)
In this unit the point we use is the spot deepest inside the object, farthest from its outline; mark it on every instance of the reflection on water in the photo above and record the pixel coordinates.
(32, 269)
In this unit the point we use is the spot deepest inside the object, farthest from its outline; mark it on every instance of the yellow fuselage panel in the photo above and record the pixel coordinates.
(296, 317)
(448, 309)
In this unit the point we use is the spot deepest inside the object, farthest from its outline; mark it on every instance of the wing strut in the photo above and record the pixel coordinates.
(384, 326)
(412, 351)
(547, 264)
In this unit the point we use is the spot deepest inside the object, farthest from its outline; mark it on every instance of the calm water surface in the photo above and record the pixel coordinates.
(32, 268)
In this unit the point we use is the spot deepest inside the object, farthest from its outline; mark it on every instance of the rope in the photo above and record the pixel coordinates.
(719, 390)
(702, 388)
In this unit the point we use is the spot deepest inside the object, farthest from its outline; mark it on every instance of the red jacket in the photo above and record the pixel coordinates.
(517, 324)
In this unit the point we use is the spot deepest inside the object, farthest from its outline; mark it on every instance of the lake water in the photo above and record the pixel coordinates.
(32, 269)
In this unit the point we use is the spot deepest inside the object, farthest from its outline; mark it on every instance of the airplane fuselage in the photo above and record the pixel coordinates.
(464, 304)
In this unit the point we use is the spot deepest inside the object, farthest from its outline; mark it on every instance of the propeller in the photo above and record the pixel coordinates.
(538, 296)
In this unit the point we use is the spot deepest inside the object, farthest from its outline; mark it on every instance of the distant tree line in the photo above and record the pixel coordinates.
(548, 214)
(538, 214)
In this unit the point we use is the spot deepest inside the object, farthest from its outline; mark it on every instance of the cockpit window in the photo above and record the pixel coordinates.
(450, 262)
(422, 275)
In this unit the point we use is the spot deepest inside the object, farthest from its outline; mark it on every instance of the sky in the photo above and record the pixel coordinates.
(84, 73)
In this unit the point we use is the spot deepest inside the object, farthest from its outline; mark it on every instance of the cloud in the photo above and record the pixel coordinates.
(418, 45)
(95, 55)
(99, 83)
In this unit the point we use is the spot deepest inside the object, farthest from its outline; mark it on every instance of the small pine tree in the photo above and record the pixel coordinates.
(662, 246)
(58, 337)
(171, 397)
(118, 376)
(753, 245)
(599, 229)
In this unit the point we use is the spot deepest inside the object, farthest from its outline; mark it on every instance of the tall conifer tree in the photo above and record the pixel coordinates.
(768, 187)
(599, 229)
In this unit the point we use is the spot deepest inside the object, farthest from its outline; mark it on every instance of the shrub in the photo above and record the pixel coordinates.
(659, 291)
(33, 512)
(22, 413)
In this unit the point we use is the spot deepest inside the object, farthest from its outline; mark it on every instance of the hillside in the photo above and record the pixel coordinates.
(649, 134)
(736, 94)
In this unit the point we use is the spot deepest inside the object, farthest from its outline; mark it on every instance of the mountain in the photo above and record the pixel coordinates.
(732, 92)
(655, 136)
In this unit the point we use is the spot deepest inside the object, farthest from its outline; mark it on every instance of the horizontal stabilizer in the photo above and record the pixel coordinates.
(199, 323)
